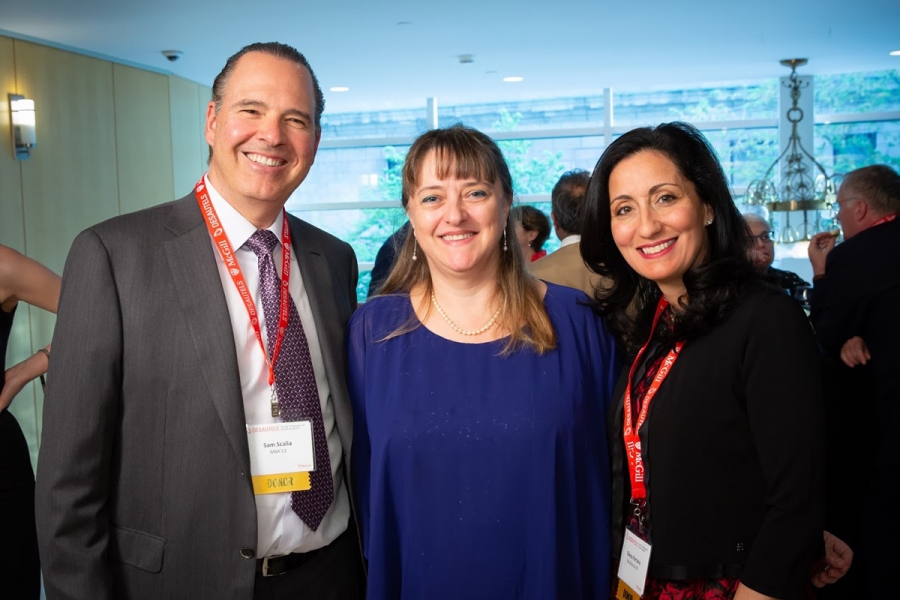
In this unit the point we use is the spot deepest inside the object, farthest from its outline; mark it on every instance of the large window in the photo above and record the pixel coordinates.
(353, 191)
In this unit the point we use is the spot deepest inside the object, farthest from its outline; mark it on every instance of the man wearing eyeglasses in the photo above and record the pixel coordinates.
(762, 253)
(855, 312)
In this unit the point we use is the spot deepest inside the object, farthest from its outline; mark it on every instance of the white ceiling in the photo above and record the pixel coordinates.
(560, 47)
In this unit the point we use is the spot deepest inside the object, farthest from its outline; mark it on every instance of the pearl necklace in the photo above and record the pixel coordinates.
(459, 329)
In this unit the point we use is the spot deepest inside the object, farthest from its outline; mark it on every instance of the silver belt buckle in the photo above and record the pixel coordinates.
(265, 567)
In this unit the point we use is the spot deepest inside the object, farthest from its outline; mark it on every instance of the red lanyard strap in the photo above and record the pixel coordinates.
(630, 428)
(220, 240)
(886, 219)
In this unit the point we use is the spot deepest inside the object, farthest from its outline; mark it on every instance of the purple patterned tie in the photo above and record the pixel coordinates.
(295, 381)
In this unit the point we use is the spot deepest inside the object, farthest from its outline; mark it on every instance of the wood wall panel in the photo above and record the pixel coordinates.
(204, 95)
(143, 138)
(70, 183)
(186, 145)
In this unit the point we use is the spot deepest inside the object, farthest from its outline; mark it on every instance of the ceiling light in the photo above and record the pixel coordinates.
(799, 187)
(513, 79)
(339, 88)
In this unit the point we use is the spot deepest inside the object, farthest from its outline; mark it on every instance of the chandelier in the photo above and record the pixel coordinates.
(799, 189)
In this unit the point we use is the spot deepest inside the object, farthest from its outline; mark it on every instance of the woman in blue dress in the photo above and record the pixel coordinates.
(479, 397)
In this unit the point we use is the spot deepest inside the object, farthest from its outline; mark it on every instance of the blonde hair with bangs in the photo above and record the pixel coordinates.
(466, 153)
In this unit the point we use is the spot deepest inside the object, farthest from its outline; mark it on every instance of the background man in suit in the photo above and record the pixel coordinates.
(177, 348)
(854, 310)
(565, 266)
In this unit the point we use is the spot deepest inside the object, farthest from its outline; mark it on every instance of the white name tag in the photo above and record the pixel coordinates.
(634, 563)
(281, 456)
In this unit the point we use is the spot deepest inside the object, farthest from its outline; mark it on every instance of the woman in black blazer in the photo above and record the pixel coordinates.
(719, 468)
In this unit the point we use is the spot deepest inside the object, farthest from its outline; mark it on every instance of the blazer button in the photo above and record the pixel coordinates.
(247, 553)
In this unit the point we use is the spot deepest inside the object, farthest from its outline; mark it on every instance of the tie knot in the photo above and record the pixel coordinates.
(262, 242)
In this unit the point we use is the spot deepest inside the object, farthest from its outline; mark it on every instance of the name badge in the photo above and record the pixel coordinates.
(281, 456)
(633, 566)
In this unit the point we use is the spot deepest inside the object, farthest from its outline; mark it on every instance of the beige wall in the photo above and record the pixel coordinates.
(188, 102)
(111, 139)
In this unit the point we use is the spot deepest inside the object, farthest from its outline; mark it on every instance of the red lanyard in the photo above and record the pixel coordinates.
(630, 429)
(220, 239)
(886, 219)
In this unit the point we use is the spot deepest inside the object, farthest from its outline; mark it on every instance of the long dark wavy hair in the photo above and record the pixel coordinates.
(714, 286)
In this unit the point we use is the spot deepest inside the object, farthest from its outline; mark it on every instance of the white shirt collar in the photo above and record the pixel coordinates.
(237, 228)
(570, 239)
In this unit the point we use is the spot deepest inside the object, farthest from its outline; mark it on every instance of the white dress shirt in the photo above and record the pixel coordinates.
(569, 240)
(280, 530)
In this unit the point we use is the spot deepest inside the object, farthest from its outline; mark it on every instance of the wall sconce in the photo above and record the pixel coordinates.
(21, 110)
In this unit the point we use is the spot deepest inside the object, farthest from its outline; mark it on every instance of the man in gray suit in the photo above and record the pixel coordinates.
(565, 266)
(198, 366)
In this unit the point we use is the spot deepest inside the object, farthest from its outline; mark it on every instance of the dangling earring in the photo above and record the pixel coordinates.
(414, 257)
(504, 241)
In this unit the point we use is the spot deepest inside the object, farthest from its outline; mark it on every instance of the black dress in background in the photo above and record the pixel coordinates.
(20, 573)
(386, 257)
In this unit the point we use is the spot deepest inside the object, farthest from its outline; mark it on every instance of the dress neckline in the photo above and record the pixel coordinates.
(503, 340)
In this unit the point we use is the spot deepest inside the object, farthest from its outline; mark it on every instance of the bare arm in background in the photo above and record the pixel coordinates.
(26, 280)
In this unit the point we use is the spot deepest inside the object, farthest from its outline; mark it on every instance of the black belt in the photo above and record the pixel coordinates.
(279, 565)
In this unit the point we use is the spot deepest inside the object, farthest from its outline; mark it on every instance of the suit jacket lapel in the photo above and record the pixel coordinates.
(200, 295)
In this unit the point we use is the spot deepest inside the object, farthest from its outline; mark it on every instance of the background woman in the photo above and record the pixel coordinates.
(731, 444)
(479, 396)
(532, 231)
(21, 279)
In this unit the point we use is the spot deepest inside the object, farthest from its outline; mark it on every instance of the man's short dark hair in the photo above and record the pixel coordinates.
(276, 49)
(567, 200)
(878, 185)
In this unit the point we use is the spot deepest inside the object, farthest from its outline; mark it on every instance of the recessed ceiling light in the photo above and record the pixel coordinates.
(895, 53)
(513, 79)
(339, 88)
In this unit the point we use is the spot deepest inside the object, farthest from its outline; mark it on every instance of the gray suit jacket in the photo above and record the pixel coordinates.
(143, 486)
(566, 267)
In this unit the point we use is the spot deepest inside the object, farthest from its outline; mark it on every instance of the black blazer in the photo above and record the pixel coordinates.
(860, 295)
(733, 450)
